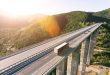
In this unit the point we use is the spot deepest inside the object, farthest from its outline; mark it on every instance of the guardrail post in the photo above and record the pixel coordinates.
(83, 56)
(60, 69)
(92, 44)
(73, 62)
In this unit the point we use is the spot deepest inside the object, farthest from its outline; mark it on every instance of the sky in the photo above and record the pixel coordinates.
(50, 7)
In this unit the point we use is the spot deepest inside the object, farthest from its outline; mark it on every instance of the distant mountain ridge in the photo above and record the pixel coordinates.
(105, 13)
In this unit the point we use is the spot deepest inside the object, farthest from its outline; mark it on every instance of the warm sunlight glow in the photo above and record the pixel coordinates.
(50, 25)
(17, 8)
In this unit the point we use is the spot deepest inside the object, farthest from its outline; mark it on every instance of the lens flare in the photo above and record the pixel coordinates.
(50, 25)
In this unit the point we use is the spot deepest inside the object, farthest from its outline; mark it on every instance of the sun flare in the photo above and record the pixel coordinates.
(50, 25)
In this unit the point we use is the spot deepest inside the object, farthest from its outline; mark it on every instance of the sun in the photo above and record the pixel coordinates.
(22, 7)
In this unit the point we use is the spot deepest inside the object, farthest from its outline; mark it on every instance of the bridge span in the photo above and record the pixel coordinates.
(42, 60)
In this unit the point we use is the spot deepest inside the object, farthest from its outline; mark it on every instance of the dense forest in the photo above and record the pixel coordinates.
(52, 26)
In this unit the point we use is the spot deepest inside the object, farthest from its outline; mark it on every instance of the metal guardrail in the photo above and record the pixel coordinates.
(46, 50)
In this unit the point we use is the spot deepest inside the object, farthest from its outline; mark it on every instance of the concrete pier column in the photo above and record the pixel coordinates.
(83, 56)
(92, 44)
(60, 69)
(76, 62)
(73, 62)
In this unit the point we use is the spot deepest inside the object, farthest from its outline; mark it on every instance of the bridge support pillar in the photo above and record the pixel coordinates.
(83, 56)
(60, 69)
(73, 62)
(92, 44)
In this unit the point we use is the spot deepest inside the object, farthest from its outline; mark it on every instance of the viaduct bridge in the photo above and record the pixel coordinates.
(41, 59)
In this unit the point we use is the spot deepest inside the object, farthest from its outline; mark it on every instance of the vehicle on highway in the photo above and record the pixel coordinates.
(59, 49)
